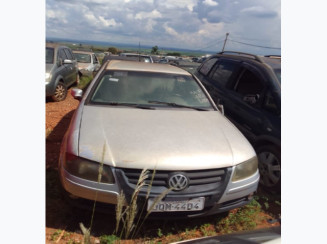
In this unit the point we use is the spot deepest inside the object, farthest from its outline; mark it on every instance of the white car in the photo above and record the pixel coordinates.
(87, 62)
(136, 116)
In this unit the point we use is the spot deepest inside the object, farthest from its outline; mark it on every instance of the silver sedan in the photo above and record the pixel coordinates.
(136, 116)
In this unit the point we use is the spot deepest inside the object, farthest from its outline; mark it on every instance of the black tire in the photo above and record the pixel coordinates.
(60, 92)
(269, 161)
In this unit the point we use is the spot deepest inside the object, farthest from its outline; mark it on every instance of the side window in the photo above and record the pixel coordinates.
(206, 67)
(224, 71)
(62, 54)
(249, 84)
(95, 60)
(69, 54)
(269, 104)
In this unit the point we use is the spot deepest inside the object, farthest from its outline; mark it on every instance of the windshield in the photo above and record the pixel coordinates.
(49, 55)
(144, 88)
(83, 57)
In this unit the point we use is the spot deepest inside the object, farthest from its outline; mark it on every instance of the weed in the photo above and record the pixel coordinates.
(242, 219)
(48, 131)
(87, 231)
(127, 214)
(159, 232)
(84, 82)
(108, 239)
(55, 235)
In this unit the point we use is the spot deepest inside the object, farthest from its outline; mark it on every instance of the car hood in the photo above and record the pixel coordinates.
(83, 65)
(164, 139)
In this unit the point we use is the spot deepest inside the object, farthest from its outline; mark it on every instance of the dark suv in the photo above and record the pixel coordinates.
(249, 88)
(60, 71)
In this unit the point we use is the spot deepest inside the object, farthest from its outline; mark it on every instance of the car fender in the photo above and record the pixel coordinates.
(267, 139)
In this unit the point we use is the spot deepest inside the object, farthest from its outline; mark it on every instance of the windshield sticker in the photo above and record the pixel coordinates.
(120, 73)
(114, 79)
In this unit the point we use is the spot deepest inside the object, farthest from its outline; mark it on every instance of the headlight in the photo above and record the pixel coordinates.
(88, 170)
(245, 170)
(47, 76)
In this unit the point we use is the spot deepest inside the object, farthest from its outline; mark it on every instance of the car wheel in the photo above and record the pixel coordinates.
(60, 92)
(269, 167)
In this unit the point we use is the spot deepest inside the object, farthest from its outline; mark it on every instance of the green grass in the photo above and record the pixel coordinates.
(55, 235)
(84, 82)
(108, 239)
(243, 219)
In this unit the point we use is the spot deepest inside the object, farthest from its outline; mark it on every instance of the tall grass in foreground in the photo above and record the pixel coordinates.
(126, 213)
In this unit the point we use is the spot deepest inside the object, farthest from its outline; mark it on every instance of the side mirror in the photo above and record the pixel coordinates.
(251, 98)
(77, 93)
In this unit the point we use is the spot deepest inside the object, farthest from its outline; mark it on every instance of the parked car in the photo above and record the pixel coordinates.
(88, 63)
(249, 88)
(136, 116)
(163, 61)
(60, 71)
(141, 57)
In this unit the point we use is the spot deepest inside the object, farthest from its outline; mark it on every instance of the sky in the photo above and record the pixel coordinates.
(188, 24)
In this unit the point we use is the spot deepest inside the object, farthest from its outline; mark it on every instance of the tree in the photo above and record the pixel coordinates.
(113, 50)
(174, 54)
(154, 50)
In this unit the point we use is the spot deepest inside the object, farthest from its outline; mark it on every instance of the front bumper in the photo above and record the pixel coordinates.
(218, 198)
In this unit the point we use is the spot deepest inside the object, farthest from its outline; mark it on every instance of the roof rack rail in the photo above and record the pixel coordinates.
(249, 55)
(273, 56)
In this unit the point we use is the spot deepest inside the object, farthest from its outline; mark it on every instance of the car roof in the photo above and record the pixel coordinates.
(273, 61)
(134, 54)
(145, 67)
(86, 52)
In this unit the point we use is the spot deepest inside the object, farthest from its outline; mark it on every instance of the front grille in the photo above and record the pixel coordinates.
(196, 177)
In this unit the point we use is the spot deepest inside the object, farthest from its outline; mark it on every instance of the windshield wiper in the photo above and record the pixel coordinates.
(178, 105)
(134, 105)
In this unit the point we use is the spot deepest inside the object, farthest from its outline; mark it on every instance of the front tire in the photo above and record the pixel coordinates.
(60, 92)
(269, 167)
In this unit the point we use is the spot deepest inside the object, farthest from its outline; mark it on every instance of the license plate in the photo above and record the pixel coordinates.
(195, 204)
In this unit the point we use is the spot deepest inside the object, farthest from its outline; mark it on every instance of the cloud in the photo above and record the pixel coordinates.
(106, 23)
(210, 3)
(148, 15)
(184, 23)
(259, 11)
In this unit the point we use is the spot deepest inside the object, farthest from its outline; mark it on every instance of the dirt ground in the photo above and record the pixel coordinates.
(62, 220)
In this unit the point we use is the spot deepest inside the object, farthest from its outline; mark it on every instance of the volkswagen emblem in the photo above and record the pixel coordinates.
(178, 182)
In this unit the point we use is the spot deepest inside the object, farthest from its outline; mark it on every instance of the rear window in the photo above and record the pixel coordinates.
(206, 67)
(143, 87)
